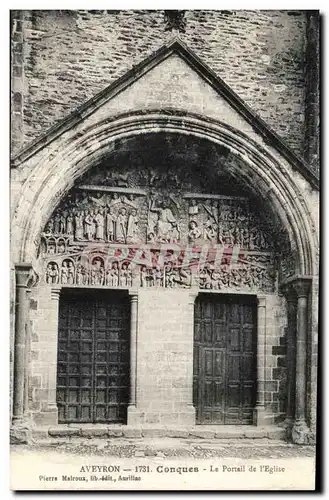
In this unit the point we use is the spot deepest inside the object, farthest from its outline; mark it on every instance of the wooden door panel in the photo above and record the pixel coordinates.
(224, 381)
(207, 333)
(247, 395)
(219, 364)
(219, 334)
(208, 363)
(233, 338)
(233, 369)
(93, 360)
(247, 338)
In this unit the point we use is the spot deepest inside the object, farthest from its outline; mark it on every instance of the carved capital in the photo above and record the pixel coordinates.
(23, 273)
(133, 294)
(261, 301)
(302, 287)
(289, 292)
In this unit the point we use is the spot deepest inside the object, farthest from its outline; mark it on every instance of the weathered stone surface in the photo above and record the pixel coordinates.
(254, 432)
(177, 433)
(20, 434)
(153, 433)
(277, 434)
(243, 49)
(300, 433)
(229, 435)
(202, 433)
(94, 432)
(64, 431)
(132, 433)
(114, 432)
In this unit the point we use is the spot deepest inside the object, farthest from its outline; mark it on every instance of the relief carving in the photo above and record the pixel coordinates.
(148, 206)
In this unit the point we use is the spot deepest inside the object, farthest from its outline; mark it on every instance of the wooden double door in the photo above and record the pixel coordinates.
(224, 371)
(93, 357)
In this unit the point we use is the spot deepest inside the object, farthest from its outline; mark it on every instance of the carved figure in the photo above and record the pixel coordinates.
(158, 276)
(165, 221)
(110, 225)
(70, 273)
(170, 275)
(97, 273)
(175, 233)
(69, 224)
(64, 273)
(184, 278)
(57, 224)
(151, 237)
(143, 276)
(254, 238)
(123, 274)
(79, 275)
(117, 179)
(79, 226)
(193, 209)
(61, 246)
(235, 278)
(52, 274)
(225, 210)
(132, 228)
(100, 199)
(49, 227)
(121, 226)
(129, 276)
(108, 278)
(215, 278)
(99, 220)
(212, 209)
(210, 231)
(62, 224)
(115, 274)
(224, 277)
(51, 247)
(89, 226)
(194, 232)
(205, 278)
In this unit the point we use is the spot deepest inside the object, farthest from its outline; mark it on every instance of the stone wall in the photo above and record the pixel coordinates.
(164, 357)
(275, 370)
(260, 54)
(43, 355)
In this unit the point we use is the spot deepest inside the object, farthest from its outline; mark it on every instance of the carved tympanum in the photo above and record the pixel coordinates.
(149, 208)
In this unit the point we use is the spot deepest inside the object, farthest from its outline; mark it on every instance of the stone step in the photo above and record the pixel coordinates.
(149, 432)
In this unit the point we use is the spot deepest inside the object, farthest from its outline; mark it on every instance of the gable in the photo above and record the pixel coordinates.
(173, 84)
(171, 79)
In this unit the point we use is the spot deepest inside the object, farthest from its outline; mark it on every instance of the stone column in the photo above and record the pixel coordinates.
(291, 353)
(20, 431)
(52, 409)
(192, 296)
(133, 355)
(23, 273)
(300, 430)
(27, 358)
(259, 411)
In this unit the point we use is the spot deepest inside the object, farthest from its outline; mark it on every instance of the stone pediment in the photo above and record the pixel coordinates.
(173, 79)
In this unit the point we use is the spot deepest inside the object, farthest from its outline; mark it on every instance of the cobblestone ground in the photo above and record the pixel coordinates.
(172, 448)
